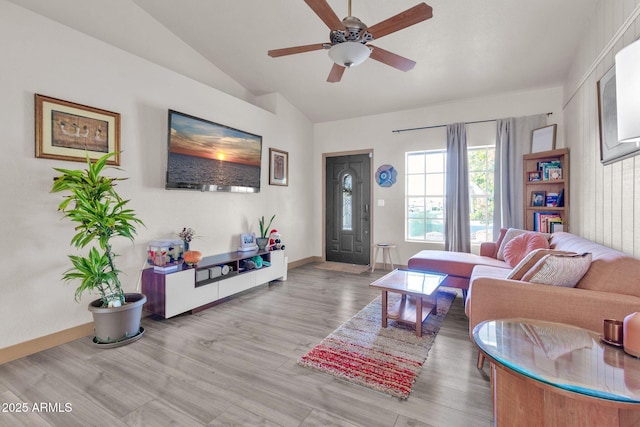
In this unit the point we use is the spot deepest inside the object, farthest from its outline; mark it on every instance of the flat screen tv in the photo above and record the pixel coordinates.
(208, 156)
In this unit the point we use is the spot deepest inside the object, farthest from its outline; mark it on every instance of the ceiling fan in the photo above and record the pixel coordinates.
(350, 37)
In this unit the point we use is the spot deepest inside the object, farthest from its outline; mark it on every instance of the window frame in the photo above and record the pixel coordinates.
(411, 222)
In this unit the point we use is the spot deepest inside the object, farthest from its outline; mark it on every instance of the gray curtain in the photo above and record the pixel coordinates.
(456, 222)
(513, 140)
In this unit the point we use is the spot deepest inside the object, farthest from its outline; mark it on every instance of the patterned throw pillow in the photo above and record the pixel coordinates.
(521, 245)
(559, 270)
(532, 259)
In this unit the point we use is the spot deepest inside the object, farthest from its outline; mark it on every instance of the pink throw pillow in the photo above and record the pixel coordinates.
(518, 247)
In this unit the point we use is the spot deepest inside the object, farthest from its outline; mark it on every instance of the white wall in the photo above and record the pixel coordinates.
(605, 200)
(41, 56)
(389, 148)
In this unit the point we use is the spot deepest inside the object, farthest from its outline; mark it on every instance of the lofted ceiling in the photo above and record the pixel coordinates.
(468, 49)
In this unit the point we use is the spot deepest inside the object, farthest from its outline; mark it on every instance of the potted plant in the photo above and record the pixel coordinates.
(99, 215)
(264, 231)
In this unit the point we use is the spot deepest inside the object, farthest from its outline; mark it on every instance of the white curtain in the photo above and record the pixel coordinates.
(513, 140)
(456, 223)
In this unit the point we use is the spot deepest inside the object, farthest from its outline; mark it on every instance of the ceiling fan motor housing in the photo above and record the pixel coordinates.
(356, 32)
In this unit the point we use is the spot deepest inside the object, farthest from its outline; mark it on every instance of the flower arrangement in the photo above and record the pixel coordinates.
(187, 234)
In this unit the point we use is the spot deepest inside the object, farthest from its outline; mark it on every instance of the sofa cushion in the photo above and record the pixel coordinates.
(453, 263)
(530, 260)
(610, 271)
(510, 234)
(521, 245)
(559, 269)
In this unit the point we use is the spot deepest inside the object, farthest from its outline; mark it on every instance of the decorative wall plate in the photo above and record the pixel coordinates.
(386, 176)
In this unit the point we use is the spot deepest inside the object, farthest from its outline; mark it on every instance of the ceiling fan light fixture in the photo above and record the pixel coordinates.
(349, 54)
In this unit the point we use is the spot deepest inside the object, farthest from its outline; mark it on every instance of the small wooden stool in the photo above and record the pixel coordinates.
(386, 254)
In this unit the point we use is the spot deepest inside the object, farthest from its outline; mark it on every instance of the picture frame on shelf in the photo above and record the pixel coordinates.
(544, 138)
(538, 198)
(278, 167)
(247, 242)
(611, 150)
(68, 131)
(535, 176)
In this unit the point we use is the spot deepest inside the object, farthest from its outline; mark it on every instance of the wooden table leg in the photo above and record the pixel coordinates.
(418, 316)
(375, 257)
(384, 309)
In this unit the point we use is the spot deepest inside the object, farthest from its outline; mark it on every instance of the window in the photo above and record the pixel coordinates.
(481, 172)
(347, 202)
(425, 194)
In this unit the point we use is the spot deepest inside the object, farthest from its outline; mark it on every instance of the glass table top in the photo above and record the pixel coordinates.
(562, 356)
(410, 281)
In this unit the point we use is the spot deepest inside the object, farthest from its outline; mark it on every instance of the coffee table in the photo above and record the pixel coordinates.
(418, 290)
(545, 373)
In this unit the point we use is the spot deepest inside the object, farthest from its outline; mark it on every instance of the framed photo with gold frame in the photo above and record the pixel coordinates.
(69, 131)
(278, 167)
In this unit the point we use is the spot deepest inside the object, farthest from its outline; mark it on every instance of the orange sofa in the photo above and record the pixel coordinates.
(458, 265)
(609, 289)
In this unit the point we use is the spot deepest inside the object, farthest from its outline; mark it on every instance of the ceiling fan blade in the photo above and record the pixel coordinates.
(409, 17)
(324, 12)
(335, 75)
(391, 59)
(293, 50)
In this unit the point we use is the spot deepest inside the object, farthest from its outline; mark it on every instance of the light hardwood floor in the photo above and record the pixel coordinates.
(235, 364)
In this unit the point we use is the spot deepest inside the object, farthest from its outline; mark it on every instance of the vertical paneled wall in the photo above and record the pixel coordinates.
(605, 200)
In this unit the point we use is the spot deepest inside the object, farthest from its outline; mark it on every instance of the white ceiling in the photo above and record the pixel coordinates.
(468, 49)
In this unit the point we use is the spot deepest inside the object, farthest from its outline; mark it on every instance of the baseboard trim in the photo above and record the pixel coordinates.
(36, 345)
(304, 261)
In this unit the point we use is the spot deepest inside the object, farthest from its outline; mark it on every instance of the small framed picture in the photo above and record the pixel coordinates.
(69, 131)
(278, 167)
(534, 176)
(247, 240)
(538, 198)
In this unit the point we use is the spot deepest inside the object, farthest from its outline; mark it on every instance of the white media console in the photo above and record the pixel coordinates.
(197, 288)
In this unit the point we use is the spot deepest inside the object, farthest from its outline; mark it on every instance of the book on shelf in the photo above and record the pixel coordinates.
(560, 203)
(546, 167)
(552, 199)
(555, 227)
(554, 174)
(541, 221)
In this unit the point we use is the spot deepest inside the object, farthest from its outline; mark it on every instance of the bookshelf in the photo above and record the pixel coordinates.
(546, 178)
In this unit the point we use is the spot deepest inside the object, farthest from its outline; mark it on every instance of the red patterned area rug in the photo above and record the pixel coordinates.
(387, 360)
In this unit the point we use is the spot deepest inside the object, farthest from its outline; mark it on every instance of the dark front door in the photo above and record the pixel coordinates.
(348, 205)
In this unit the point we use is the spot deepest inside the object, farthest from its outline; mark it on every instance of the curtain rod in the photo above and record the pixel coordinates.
(441, 126)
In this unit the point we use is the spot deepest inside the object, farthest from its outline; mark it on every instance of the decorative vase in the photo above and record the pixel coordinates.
(192, 257)
(186, 245)
(631, 334)
(262, 242)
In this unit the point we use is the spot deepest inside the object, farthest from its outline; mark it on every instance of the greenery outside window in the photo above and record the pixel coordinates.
(425, 194)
